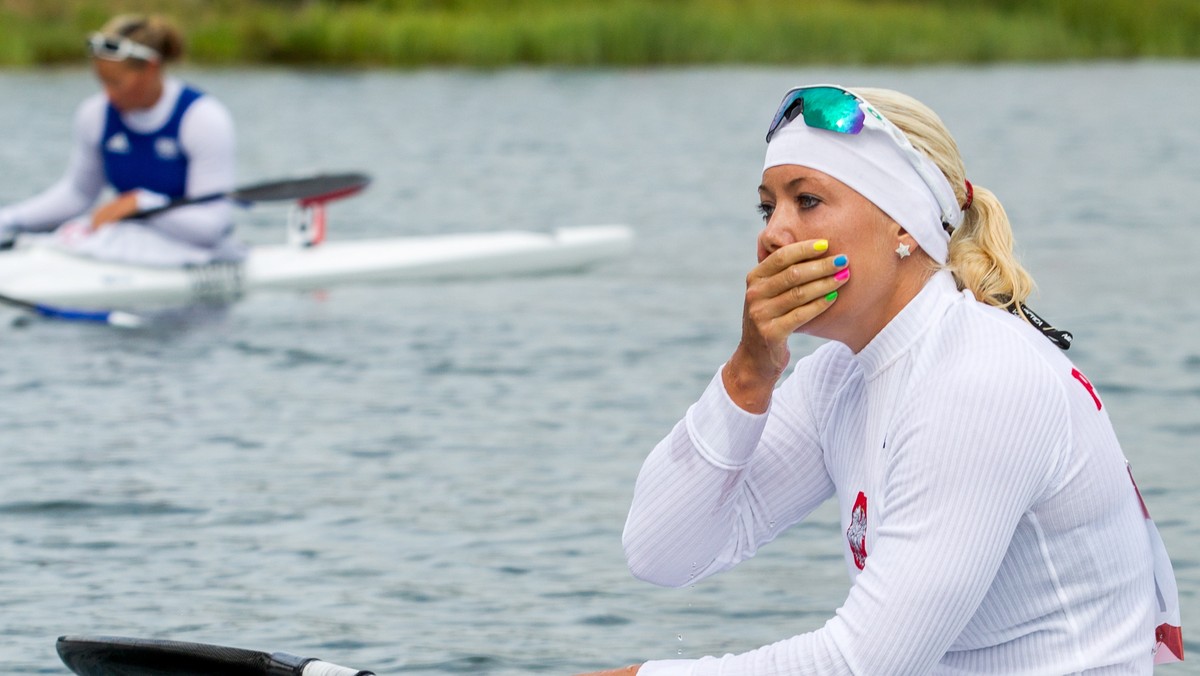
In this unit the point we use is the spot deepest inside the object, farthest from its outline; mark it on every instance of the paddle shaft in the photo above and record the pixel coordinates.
(114, 317)
(320, 188)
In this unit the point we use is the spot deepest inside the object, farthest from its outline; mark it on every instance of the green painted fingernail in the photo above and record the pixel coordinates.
(832, 296)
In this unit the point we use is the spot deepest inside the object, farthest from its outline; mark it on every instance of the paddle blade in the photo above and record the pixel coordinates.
(119, 656)
(314, 188)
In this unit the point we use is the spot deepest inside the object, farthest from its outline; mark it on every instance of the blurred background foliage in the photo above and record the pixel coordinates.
(621, 33)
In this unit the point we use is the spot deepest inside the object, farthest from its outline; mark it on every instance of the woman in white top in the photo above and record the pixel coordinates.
(989, 518)
(151, 139)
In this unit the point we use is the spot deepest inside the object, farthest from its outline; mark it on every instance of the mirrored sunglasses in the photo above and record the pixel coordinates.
(840, 110)
(112, 48)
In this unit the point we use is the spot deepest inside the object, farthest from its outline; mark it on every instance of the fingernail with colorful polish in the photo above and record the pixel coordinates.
(821, 245)
(843, 275)
(831, 296)
(841, 260)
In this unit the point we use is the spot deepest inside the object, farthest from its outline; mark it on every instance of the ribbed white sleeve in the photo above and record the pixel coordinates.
(1001, 532)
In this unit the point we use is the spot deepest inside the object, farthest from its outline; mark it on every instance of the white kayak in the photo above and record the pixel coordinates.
(43, 274)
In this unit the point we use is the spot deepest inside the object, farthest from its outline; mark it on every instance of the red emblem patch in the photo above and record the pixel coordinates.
(856, 534)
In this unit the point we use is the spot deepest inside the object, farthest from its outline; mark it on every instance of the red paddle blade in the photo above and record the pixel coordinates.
(314, 188)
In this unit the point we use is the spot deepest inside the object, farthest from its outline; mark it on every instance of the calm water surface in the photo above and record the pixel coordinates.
(432, 478)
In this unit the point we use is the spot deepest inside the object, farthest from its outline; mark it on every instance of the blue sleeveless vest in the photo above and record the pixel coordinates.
(153, 161)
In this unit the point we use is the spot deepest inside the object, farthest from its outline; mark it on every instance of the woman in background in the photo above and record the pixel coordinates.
(152, 139)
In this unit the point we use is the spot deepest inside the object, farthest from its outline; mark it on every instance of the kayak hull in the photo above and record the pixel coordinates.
(43, 274)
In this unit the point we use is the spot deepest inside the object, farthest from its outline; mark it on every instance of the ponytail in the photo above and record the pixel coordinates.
(981, 255)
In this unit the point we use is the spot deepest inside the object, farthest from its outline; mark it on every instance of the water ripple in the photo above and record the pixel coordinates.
(65, 508)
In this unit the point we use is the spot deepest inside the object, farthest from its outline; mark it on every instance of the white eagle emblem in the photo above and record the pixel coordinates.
(856, 534)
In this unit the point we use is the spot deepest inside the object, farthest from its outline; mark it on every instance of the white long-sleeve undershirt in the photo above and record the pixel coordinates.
(1003, 535)
(206, 135)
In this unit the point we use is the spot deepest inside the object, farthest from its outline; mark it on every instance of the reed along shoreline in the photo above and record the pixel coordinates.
(620, 33)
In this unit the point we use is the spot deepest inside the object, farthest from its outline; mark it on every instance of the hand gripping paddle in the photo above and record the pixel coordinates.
(119, 656)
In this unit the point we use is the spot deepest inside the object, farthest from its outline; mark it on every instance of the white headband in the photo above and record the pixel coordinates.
(873, 166)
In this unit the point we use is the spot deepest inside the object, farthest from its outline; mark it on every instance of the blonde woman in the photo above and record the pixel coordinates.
(150, 138)
(989, 521)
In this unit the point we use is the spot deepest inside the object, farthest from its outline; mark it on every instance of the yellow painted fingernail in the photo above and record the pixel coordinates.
(821, 245)
(831, 296)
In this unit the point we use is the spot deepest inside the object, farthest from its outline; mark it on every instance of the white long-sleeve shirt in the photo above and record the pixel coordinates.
(206, 136)
(981, 489)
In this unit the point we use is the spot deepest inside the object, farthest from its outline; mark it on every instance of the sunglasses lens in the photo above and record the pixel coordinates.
(119, 48)
(833, 110)
(102, 46)
(825, 108)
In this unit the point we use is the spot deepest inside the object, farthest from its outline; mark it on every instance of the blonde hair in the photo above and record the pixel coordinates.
(153, 31)
(981, 249)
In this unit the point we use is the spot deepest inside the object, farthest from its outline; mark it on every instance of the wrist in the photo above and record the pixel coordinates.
(144, 200)
(749, 387)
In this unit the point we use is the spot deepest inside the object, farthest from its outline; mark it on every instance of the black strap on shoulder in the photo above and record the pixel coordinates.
(1060, 338)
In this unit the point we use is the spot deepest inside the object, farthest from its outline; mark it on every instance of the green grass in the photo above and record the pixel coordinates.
(496, 33)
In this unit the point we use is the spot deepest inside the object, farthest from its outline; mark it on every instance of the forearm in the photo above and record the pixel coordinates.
(682, 524)
(48, 209)
(722, 483)
(199, 224)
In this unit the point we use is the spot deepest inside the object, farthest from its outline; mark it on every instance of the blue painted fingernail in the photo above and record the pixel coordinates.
(841, 260)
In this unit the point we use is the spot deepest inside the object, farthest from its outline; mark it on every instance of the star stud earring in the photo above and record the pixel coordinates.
(902, 250)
